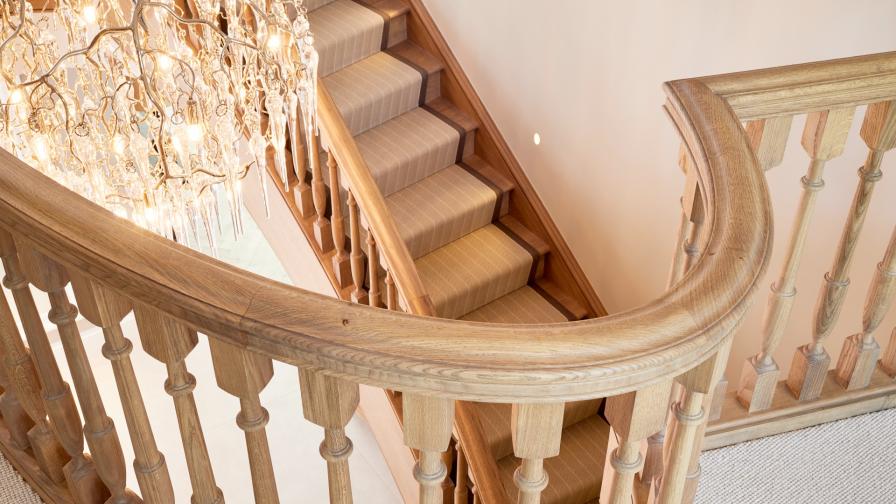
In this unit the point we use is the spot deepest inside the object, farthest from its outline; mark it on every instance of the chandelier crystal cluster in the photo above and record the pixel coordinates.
(158, 109)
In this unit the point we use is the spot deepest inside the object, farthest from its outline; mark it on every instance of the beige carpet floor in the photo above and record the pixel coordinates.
(13, 488)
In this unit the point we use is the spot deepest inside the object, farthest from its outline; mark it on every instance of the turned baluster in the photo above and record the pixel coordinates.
(359, 294)
(330, 403)
(427, 428)
(80, 473)
(373, 267)
(302, 190)
(341, 263)
(860, 351)
(391, 292)
(170, 342)
(245, 374)
(322, 231)
(634, 416)
(105, 308)
(14, 415)
(824, 138)
(811, 362)
(692, 204)
(99, 429)
(461, 478)
(536, 430)
(686, 427)
(23, 394)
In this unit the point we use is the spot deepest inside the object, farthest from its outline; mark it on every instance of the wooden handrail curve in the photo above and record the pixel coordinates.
(462, 360)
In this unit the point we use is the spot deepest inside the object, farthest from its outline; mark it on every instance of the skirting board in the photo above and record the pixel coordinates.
(787, 414)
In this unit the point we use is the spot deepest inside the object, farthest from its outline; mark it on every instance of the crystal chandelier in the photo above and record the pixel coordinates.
(158, 109)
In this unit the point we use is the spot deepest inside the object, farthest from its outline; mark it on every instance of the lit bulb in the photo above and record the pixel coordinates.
(119, 144)
(150, 214)
(164, 62)
(89, 14)
(15, 97)
(194, 133)
(274, 42)
(39, 148)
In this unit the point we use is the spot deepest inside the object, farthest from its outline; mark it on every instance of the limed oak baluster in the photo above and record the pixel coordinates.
(296, 153)
(811, 362)
(359, 293)
(824, 138)
(391, 292)
(99, 429)
(768, 137)
(634, 416)
(686, 427)
(373, 267)
(170, 342)
(23, 393)
(536, 430)
(245, 374)
(80, 473)
(14, 415)
(860, 351)
(341, 263)
(427, 428)
(888, 361)
(461, 479)
(105, 308)
(322, 231)
(330, 403)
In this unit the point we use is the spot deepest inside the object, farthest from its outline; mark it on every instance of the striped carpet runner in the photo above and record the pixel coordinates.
(476, 262)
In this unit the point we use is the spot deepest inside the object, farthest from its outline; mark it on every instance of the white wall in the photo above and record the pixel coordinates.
(586, 75)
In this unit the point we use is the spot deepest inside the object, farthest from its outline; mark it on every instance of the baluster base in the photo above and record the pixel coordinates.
(342, 269)
(48, 453)
(323, 235)
(857, 362)
(304, 200)
(757, 385)
(17, 421)
(807, 373)
(83, 482)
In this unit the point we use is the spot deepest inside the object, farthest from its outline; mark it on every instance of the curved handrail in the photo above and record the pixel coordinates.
(463, 360)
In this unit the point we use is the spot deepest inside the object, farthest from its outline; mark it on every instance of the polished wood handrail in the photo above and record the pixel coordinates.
(464, 360)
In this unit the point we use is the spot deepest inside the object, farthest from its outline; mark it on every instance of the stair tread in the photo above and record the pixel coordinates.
(345, 32)
(374, 90)
(391, 8)
(313, 5)
(474, 270)
(443, 207)
(407, 149)
(576, 474)
(495, 422)
(415, 55)
(522, 306)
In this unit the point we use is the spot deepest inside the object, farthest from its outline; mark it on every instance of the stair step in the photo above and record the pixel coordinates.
(428, 65)
(374, 90)
(313, 5)
(346, 32)
(495, 422)
(475, 270)
(395, 13)
(526, 238)
(443, 207)
(522, 306)
(575, 474)
(570, 306)
(411, 147)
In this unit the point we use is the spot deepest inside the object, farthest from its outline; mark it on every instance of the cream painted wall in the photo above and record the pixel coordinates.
(586, 75)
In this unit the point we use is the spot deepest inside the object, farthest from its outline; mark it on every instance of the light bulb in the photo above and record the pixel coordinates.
(164, 62)
(150, 214)
(15, 97)
(274, 42)
(194, 133)
(39, 149)
(89, 14)
(119, 144)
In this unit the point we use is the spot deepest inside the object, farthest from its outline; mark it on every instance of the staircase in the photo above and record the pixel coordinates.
(456, 213)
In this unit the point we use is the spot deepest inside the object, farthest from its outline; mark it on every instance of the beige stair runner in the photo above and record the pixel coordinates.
(450, 207)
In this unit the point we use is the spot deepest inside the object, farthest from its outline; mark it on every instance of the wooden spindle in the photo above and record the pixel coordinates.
(14, 415)
(373, 267)
(391, 292)
(427, 427)
(888, 361)
(297, 156)
(692, 202)
(461, 478)
(330, 403)
(99, 429)
(23, 393)
(341, 262)
(245, 374)
(322, 231)
(634, 416)
(170, 342)
(105, 308)
(861, 351)
(824, 138)
(810, 362)
(448, 483)
(768, 137)
(686, 426)
(82, 481)
(359, 293)
(536, 430)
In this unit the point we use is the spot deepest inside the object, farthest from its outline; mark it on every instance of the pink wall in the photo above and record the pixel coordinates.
(586, 75)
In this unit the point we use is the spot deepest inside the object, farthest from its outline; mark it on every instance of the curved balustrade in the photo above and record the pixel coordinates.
(630, 358)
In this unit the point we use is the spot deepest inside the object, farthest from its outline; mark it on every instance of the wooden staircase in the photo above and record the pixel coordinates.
(483, 246)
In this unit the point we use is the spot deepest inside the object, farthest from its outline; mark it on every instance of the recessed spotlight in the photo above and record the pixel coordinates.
(536, 139)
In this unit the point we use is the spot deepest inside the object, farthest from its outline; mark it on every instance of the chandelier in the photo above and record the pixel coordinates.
(157, 110)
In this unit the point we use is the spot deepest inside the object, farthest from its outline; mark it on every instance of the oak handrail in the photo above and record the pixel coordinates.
(371, 200)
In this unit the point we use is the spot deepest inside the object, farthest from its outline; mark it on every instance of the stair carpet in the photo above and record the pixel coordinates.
(476, 262)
